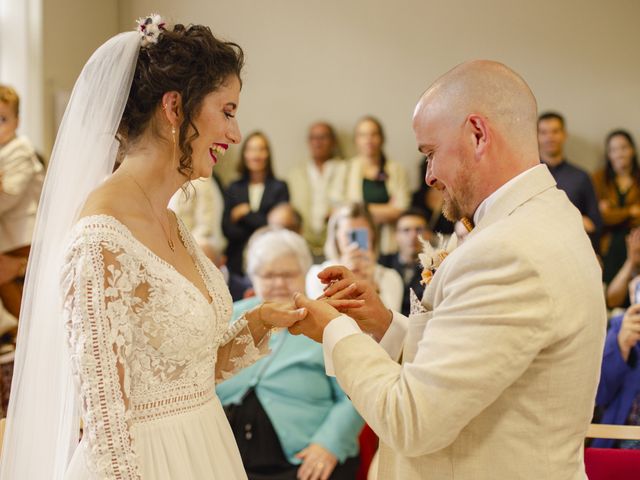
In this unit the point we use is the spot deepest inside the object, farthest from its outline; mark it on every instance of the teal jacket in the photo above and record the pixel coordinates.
(304, 404)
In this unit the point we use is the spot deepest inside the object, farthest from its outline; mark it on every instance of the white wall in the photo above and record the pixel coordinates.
(21, 62)
(71, 30)
(338, 60)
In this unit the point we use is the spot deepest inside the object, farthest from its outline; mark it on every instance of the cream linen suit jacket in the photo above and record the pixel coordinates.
(498, 378)
(21, 180)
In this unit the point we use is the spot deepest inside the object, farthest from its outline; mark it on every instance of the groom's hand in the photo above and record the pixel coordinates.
(357, 299)
(319, 314)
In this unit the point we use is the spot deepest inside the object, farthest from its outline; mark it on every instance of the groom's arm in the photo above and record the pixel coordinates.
(481, 338)
(344, 326)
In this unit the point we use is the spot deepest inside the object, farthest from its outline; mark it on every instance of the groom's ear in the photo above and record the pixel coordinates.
(480, 132)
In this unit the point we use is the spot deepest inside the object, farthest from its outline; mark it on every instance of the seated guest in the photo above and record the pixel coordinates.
(351, 241)
(10, 268)
(573, 180)
(317, 185)
(617, 293)
(21, 180)
(619, 388)
(430, 200)
(618, 190)
(377, 181)
(285, 216)
(250, 199)
(282, 215)
(200, 205)
(290, 419)
(410, 227)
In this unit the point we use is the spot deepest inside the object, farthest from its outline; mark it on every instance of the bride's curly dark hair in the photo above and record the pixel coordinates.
(189, 60)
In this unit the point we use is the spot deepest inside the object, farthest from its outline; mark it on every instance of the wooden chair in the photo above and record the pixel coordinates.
(612, 463)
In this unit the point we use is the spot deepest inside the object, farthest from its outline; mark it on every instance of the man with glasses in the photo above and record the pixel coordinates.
(410, 227)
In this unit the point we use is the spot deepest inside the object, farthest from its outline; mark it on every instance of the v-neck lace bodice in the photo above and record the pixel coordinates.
(145, 343)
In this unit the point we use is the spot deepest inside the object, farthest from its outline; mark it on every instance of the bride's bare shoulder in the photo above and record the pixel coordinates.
(111, 198)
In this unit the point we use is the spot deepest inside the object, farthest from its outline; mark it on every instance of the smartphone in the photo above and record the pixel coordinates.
(361, 237)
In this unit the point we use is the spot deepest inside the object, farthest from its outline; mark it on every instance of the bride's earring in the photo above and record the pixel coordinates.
(173, 135)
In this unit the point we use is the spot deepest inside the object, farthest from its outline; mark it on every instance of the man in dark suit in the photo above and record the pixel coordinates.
(411, 225)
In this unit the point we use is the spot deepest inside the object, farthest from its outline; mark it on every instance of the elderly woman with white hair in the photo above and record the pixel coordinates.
(291, 420)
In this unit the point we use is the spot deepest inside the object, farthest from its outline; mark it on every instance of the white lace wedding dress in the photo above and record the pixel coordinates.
(147, 349)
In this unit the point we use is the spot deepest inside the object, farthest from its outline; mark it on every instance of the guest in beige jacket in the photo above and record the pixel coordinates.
(317, 186)
(499, 369)
(200, 205)
(21, 180)
(21, 177)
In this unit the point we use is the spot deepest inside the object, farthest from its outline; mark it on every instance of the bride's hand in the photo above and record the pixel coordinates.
(276, 315)
(270, 315)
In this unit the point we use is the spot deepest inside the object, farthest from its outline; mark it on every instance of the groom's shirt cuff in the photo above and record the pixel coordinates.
(393, 339)
(337, 329)
(344, 326)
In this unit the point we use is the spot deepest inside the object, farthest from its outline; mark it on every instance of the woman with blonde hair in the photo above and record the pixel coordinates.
(377, 181)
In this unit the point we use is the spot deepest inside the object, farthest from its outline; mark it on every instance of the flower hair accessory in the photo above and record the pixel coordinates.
(150, 28)
(431, 257)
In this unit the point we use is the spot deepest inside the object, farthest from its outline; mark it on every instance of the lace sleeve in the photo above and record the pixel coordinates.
(238, 350)
(97, 311)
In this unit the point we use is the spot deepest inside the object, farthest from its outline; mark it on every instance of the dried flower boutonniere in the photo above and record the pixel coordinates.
(431, 257)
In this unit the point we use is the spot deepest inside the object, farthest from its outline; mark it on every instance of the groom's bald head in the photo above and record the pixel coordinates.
(490, 89)
(477, 126)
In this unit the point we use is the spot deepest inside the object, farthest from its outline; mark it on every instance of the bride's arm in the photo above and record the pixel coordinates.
(99, 332)
(247, 339)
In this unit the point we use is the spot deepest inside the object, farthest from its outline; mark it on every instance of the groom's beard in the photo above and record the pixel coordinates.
(453, 207)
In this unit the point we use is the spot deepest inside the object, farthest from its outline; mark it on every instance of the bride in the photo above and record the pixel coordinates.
(143, 313)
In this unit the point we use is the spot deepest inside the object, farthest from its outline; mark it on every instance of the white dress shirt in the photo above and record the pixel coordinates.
(256, 191)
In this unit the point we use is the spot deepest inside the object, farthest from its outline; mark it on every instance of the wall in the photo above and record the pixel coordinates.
(339, 60)
(21, 62)
(72, 30)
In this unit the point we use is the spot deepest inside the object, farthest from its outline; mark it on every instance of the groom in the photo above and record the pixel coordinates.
(496, 378)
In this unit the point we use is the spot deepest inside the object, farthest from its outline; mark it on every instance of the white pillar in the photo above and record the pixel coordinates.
(21, 62)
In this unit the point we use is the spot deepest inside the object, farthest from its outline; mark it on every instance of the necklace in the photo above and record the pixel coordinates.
(167, 235)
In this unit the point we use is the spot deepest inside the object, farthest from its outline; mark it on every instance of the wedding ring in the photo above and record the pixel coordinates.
(319, 465)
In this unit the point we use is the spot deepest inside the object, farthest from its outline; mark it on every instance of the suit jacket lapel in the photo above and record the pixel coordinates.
(537, 180)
